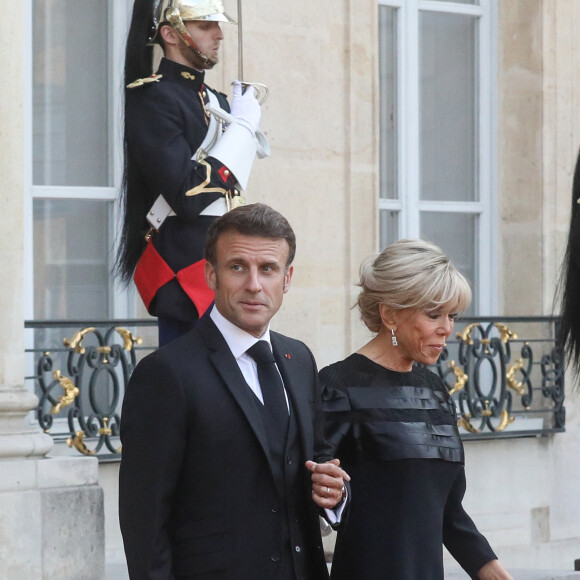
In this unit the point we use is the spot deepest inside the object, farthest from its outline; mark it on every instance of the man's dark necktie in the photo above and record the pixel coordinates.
(272, 389)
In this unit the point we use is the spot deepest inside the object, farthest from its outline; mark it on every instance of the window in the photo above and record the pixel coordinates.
(436, 140)
(74, 157)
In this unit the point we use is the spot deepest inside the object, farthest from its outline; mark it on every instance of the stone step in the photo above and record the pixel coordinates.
(523, 575)
(119, 572)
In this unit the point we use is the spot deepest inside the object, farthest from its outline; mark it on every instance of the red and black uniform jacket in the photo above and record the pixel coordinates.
(165, 123)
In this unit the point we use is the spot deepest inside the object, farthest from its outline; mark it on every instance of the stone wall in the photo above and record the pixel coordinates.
(51, 510)
(319, 62)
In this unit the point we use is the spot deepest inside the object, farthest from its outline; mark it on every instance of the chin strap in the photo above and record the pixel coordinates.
(173, 17)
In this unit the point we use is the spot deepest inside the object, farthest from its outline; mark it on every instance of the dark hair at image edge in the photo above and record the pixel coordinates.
(569, 283)
(138, 64)
(256, 219)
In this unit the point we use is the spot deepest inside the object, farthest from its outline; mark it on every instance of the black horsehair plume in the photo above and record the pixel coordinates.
(138, 64)
(568, 289)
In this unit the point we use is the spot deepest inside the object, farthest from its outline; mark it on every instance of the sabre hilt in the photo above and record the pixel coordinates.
(261, 89)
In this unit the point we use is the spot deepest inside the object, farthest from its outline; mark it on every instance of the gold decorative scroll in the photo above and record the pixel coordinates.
(78, 443)
(465, 422)
(511, 380)
(71, 392)
(460, 377)
(129, 339)
(76, 341)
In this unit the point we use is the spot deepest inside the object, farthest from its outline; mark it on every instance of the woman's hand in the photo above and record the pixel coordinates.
(493, 570)
(327, 483)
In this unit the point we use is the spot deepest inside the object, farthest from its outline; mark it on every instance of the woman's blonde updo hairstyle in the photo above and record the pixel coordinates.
(410, 274)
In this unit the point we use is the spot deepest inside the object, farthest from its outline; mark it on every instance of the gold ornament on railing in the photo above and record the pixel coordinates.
(129, 339)
(76, 341)
(78, 440)
(505, 335)
(510, 376)
(78, 443)
(504, 420)
(104, 432)
(465, 422)
(71, 392)
(465, 334)
(460, 377)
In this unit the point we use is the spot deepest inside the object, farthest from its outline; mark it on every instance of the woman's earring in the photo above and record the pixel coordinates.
(394, 338)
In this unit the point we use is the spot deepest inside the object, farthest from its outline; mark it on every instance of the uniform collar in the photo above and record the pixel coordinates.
(181, 73)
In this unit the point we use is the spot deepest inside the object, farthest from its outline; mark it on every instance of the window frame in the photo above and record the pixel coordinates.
(123, 300)
(408, 206)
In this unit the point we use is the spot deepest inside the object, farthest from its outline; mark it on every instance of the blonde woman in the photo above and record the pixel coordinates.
(392, 424)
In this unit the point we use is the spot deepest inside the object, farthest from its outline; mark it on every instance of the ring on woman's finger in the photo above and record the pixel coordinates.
(328, 491)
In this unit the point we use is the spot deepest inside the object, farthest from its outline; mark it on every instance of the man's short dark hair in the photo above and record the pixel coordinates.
(256, 219)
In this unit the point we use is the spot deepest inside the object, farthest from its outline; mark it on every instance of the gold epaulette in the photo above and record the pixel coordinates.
(141, 82)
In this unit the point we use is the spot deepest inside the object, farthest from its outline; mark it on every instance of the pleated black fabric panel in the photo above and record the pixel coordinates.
(374, 413)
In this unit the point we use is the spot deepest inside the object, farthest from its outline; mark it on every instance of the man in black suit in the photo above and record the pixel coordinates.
(224, 465)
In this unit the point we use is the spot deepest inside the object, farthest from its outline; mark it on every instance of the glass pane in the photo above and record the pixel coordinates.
(388, 83)
(456, 235)
(70, 93)
(448, 111)
(389, 227)
(71, 259)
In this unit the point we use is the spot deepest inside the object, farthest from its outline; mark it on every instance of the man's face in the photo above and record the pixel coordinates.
(207, 36)
(250, 279)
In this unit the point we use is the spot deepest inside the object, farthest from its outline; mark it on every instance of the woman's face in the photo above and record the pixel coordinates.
(421, 334)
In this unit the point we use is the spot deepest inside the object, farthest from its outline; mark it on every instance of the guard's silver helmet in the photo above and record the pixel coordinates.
(176, 12)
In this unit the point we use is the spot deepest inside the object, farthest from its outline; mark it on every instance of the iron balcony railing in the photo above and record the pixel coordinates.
(79, 371)
(506, 375)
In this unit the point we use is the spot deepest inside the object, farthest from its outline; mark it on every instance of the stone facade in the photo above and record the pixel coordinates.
(320, 63)
(51, 510)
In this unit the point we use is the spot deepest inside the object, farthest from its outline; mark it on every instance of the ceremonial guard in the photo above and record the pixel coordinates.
(187, 156)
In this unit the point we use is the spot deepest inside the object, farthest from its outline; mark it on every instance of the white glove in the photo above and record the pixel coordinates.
(246, 110)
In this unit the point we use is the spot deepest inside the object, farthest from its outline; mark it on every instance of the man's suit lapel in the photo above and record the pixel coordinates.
(227, 367)
(294, 379)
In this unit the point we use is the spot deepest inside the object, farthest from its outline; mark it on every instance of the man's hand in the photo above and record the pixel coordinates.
(327, 482)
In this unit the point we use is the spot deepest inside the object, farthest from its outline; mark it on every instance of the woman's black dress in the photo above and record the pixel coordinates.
(396, 435)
